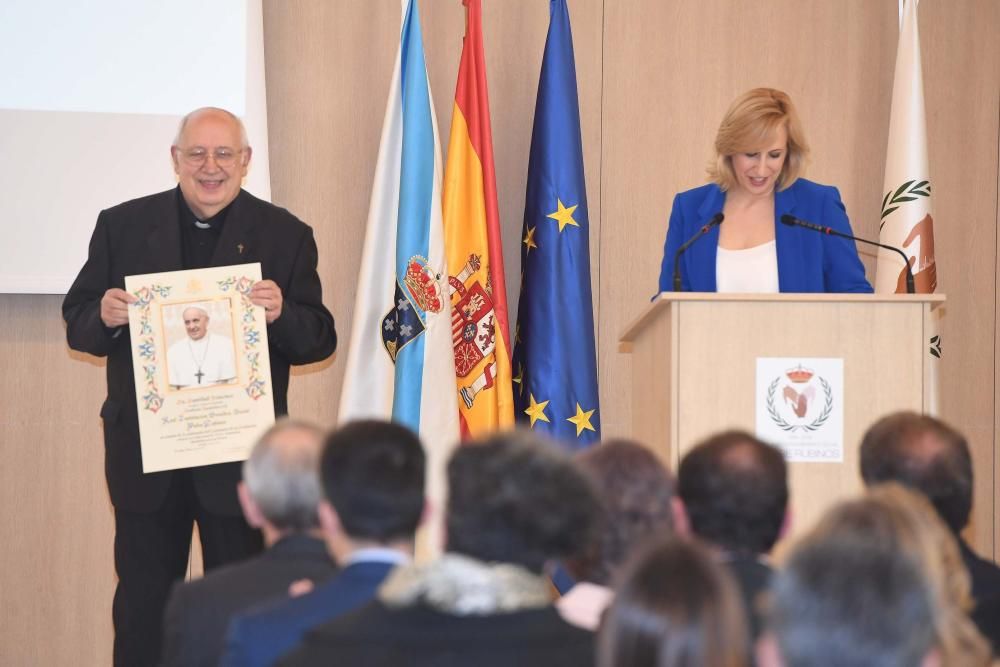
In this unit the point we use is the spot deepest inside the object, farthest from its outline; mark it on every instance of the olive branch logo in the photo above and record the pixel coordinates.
(815, 424)
(907, 192)
(935, 348)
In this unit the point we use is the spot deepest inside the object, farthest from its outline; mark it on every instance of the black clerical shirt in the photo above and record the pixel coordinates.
(198, 237)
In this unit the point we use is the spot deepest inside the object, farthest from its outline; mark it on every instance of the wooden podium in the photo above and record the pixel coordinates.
(694, 361)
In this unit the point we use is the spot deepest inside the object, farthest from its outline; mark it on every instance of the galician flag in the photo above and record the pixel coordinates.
(400, 355)
(906, 220)
(479, 329)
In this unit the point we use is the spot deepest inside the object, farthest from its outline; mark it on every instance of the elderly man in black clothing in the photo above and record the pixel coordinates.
(514, 503)
(931, 457)
(279, 493)
(207, 220)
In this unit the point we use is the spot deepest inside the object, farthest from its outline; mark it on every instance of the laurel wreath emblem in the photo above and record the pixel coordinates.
(816, 424)
(908, 191)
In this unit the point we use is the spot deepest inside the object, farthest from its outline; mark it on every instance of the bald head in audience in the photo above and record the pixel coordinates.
(280, 490)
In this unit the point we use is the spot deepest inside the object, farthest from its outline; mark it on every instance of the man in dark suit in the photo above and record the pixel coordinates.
(279, 494)
(931, 457)
(373, 479)
(514, 504)
(207, 221)
(735, 493)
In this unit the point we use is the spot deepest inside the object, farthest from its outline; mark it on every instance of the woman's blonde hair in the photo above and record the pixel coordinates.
(752, 120)
(901, 519)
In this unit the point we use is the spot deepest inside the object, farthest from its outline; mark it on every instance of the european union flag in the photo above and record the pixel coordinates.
(555, 363)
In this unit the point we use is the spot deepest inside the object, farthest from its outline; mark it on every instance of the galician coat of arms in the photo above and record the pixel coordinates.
(420, 293)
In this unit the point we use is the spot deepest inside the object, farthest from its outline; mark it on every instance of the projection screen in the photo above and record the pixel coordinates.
(91, 94)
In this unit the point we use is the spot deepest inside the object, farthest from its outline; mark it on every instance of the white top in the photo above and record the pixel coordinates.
(752, 270)
(583, 604)
(204, 362)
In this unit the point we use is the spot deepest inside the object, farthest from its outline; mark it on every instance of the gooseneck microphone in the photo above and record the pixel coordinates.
(716, 220)
(792, 221)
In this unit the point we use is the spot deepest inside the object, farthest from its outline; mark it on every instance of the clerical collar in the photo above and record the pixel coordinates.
(188, 217)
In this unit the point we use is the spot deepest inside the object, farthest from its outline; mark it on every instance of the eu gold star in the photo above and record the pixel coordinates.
(529, 239)
(581, 420)
(563, 215)
(519, 379)
(536, 410)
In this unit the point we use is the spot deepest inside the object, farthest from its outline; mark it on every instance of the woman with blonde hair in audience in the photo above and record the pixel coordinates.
(674, 606)
(897, 518)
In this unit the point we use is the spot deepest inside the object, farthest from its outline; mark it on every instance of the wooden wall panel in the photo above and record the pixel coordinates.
(328, 66)
(57, 567)
(961, 62)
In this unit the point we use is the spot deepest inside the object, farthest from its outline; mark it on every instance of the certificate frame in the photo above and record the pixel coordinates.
(185, 423)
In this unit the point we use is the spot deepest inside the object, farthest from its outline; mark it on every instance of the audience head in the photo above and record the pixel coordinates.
(860, 602)
(280, 478)
(674, 606)
(515, 498)
(925, 454)
(637, 497)
(879, 581)
(735, 491)
(754, 120)
(373, 478)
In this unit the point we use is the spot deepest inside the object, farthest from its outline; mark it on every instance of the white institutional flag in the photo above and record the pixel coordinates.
(400, 361)
(906, 220)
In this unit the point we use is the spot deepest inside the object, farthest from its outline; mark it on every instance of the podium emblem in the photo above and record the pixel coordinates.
(799, 389)
(800, 407)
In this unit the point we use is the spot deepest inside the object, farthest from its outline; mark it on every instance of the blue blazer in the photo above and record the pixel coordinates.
(262, 635)
(807, 261)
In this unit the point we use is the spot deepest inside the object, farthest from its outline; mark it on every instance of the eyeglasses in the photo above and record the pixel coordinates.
(196, 157)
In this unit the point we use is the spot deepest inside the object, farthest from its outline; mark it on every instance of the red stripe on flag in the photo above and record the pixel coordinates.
(472, 97)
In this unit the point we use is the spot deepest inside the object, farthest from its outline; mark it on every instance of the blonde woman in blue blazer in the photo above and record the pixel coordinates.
(761, 153)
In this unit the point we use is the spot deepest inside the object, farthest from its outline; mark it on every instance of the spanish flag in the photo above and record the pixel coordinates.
(480, 333)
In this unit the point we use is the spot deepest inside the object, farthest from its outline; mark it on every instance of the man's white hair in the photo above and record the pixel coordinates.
(195, 306)
(282, 475)
(244, 141)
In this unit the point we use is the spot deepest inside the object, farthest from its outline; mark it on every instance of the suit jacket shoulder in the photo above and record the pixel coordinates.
(419, 636)
(263, 634)
(985, 577)
(199, 611)
(753, 578)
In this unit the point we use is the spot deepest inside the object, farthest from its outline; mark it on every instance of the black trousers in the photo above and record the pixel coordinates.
(151, 554)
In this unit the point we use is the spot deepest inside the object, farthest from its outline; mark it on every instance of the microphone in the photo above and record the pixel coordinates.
(792, 221)
(716, 220)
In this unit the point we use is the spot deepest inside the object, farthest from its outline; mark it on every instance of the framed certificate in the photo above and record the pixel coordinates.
(202, 371)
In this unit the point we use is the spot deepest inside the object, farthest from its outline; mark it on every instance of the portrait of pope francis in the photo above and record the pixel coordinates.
(200, 358)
